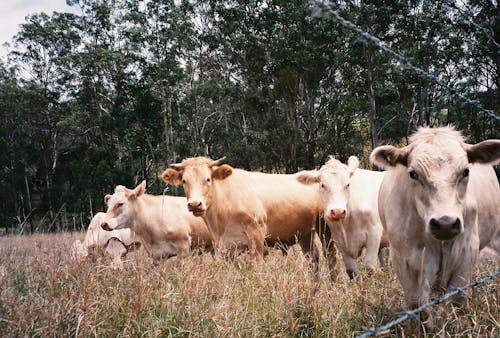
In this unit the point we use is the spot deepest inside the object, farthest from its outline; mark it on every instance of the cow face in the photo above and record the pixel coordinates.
(334, 185)
(438, 165)
(197, 176)
(120, 213)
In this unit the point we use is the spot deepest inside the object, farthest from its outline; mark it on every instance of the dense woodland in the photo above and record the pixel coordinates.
(113, 94)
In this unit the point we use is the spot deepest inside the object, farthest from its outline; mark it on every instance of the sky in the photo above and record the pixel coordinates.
(13, 13)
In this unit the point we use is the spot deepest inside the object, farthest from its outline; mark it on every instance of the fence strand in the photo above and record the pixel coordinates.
(436, 301)
(324, 8)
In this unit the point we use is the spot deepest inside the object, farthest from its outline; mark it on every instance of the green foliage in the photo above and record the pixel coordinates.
(115, 94)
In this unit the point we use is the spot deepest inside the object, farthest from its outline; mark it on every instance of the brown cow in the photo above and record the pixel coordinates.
(162, 223)
(439, 203)
(350, 200)
(243, 208)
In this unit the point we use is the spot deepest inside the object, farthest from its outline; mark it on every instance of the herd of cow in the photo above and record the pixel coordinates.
(436, 206)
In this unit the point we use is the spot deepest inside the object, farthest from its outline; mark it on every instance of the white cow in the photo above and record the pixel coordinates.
(163, 223)
(440, 204)
(350, 201)
(115, 244)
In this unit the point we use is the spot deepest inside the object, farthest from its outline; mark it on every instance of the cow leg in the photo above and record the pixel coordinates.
(372, 251)
(329, 250)
(312, 251)
(350, 265)
(255, 238)
(381, 257)
(463, 275)
(415, 285)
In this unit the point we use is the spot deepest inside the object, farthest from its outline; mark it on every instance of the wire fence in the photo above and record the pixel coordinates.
(324, 9)
(436, 301)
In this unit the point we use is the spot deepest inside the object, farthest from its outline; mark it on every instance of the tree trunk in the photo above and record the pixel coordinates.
(293, 146)
(496, 54)
(423, 105)
(370, 65)
(167, 124)
(28, 199)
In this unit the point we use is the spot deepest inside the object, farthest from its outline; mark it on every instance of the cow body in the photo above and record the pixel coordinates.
(350, 208)
(439, 204)
(162, 223)
(250, 209)
(114, 243)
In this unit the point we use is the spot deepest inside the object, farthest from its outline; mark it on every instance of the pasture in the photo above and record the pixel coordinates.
(44, 293)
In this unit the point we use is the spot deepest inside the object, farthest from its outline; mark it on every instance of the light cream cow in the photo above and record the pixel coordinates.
(163, 223)
(115, 244)
(439, 203)
(350, 202)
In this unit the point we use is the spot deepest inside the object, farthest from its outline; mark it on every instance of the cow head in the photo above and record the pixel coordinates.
(438, 164)
(197, 176)
(334, 181)
(120, 213)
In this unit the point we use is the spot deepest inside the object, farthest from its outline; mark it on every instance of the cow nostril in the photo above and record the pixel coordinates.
(456, 225)
(435, 225)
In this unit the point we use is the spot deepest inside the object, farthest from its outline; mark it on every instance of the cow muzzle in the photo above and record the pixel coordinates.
(196, 207)
(445, 228)
(337, 214)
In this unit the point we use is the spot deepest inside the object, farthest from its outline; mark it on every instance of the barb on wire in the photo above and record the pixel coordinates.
(436, 301)
(325, 7)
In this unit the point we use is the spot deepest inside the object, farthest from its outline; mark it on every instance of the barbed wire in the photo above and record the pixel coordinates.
(436, 301)
(468, 16)
(325, 7)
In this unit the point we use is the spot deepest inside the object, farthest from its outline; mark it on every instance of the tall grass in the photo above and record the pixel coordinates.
(44, 293)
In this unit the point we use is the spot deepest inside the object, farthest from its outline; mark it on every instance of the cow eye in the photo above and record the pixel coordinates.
(183, 181)
(413, 175)
(466, 173)
(118, 205)
(322, 185)
(208, 180)
(348, 185)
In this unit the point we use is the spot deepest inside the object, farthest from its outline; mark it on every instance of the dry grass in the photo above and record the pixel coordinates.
(44, 293)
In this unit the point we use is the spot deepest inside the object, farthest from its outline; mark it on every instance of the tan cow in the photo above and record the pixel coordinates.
(439, 203)
(243, 208)
(163, 223)
(350, 201)
(115, 244)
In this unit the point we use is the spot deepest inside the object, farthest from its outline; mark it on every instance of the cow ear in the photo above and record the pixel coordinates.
(308, 177)
(352, 164)
(140, 189)
(486, 152)
(387, 157)
(172, 176)
(222, 172)
(106, 198)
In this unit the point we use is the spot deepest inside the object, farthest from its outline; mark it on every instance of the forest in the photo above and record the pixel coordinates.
(118, 91)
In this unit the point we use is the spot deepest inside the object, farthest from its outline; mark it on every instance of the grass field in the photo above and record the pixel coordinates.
(43, 293)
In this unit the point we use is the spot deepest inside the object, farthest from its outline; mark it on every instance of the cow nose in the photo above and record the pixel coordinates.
(105, 226)
(445, 228)
(194, 205)
(337, 213)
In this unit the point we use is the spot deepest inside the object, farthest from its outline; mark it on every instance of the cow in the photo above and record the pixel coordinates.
(350, 208)
(163, 223)
(116, 244)
(252, 209)
(439, 203)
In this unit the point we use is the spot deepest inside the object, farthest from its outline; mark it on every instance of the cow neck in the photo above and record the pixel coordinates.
(142, 227)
